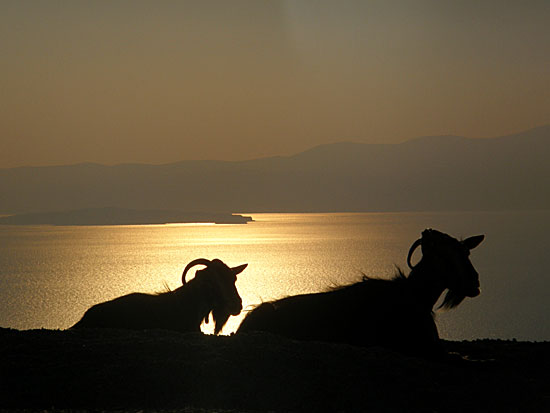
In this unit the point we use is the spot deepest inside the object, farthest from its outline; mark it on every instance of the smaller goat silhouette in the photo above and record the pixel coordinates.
(212, 290)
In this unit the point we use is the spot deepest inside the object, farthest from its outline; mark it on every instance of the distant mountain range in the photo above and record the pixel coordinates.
(424, 174)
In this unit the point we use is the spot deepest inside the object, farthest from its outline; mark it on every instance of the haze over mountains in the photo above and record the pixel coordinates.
(424, 174)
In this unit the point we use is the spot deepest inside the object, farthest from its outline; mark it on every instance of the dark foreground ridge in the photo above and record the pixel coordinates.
(121, 216)
(162, 370)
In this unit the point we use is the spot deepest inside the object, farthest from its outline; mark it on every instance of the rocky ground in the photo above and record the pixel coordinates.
(166, 371)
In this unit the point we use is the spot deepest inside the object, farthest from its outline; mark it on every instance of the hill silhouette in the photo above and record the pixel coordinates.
(157, 370)
(428, 174)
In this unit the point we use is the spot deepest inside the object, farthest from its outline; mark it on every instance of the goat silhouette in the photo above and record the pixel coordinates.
(211, 291)
(395, 313)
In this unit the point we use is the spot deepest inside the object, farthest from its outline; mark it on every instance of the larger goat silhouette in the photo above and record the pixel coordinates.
(212, 290)
(395, 313)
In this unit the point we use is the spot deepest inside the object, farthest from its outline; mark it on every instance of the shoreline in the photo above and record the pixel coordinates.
(122, 216)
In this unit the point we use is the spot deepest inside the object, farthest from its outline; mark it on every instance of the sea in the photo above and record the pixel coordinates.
(50, 275)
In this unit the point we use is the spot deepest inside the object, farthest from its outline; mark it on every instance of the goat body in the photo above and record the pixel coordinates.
(370, 312)
(139, 311)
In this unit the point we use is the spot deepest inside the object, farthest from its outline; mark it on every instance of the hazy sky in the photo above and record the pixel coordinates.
(115, 81)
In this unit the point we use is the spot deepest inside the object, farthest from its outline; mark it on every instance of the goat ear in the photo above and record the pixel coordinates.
(473, 242)
(239, 269)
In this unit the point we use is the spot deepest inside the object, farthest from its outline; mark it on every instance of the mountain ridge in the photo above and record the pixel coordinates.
(430, 173)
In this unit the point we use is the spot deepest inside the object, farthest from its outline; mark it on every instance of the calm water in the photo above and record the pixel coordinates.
(50, 275)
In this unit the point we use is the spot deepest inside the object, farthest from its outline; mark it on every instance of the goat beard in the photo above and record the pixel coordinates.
(452, 299)
(220, 317)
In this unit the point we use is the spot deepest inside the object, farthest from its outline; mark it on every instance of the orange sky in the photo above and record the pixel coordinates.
(156, 82)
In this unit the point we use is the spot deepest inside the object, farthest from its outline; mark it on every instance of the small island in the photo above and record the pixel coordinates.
(122, 216)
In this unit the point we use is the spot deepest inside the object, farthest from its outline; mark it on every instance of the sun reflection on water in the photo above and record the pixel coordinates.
(51, 275)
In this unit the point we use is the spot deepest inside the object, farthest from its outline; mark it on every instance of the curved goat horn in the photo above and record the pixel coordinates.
(198, 261)
(411, 251)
